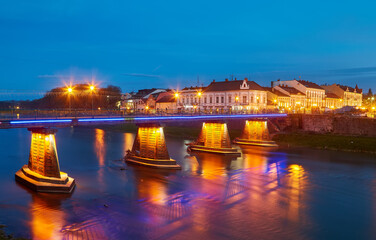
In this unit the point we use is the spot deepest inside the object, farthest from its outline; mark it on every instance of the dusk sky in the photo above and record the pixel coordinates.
(168, 44)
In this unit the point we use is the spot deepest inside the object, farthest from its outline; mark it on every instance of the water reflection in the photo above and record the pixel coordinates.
(210, 165)
(128, 141)
(296, 182)
(47, 218)
(100, 146)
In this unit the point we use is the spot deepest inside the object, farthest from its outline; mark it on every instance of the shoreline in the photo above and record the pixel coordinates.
(333, 142)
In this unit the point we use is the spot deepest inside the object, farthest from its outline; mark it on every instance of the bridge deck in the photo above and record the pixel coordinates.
(85, 121)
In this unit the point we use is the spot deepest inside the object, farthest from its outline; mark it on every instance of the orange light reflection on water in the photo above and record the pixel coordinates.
(100, 147)
(47, 219)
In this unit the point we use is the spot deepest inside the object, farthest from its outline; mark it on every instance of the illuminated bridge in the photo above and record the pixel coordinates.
(42, 173)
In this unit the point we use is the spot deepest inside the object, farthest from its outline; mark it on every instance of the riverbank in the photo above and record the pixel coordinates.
(327, 141)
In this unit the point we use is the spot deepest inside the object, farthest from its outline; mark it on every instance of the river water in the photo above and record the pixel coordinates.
(284, 194)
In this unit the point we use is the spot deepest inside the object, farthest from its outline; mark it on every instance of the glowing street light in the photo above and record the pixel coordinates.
(69, 91)
(92, 89)
(199, 94)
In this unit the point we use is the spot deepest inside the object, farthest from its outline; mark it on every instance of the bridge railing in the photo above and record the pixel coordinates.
(77, 113)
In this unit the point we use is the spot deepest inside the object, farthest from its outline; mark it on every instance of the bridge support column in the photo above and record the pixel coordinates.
(149, 148)
(256, 133)
(214, 138)
(42, 173)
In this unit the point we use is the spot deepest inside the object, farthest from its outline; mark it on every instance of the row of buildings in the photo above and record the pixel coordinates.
(235, 96)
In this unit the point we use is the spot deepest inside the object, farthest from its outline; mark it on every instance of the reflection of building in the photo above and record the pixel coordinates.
(351, 96)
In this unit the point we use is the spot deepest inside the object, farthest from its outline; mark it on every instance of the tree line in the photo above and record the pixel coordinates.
(81, 97)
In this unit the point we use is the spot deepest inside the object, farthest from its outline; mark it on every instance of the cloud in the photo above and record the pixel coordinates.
(141, 75)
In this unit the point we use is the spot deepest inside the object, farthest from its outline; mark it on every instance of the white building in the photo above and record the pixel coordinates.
(315, 95)
(225, 97)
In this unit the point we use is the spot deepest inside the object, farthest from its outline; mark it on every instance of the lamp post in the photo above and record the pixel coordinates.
(199, 94)
(237, 103)
(177, 100)
(70, 91)
(92, 88)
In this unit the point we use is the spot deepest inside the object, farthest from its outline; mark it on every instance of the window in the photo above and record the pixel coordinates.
(229, 99)
(222, 99)
(211, 99)
(204, 99)
(217, 100)
(251, 99)
(244, 99)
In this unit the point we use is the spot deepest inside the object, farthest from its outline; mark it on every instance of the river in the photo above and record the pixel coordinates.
(283, 194)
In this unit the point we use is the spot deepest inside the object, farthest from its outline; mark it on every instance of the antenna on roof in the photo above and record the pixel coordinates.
(232, 77)
(198, 80)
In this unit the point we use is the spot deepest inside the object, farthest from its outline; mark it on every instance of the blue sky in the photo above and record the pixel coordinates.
(143, 44)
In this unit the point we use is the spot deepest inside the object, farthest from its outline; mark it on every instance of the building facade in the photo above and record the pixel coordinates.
(350, 96)
(314, 94)
(225, 97)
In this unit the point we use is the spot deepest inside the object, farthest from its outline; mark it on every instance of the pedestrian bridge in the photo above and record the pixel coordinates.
(84, 121)
(42, 173)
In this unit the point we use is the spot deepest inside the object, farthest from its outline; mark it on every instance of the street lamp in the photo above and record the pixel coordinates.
(199, 94)
(70, 91)
(92, 88)
(177, 100)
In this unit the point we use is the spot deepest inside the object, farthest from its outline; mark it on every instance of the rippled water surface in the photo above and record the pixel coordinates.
(301, 194)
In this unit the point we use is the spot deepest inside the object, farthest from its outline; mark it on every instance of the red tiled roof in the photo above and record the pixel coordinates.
(167, 98)
(309, 84)
(344, 87)
(232, 86)
(292, 90)
(276, 92)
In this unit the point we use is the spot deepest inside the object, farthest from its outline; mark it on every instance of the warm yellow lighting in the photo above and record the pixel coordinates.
(176, 95)
(373, 108)
(340, 100)
(17, 107)
(92, 87)
(295, 167)
(47, 138)
(147, 107)
(236, 98)
(297, 103)
(257, 98)
(70, 90)
(275, 100)
(331, 106)
(99, 108)
(199, 94)
(194, 106)
(315, 105)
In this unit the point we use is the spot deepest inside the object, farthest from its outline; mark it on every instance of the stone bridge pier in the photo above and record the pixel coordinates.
(255, 133)
(42, 173)
(149, 148)
(214, 138)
